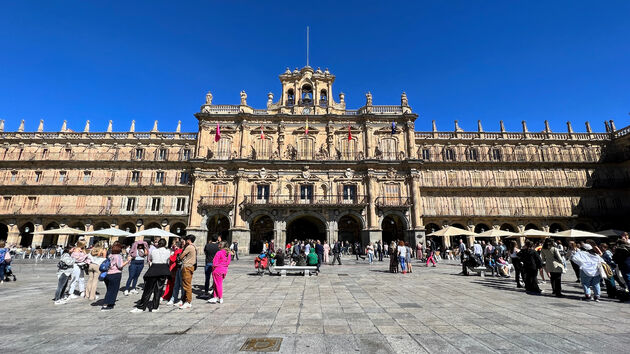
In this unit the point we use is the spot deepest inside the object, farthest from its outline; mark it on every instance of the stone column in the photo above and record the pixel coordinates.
(368, 140)
(239, 230)
(471, 239)
(37, 239)
(332, 231)
(244, 141)
(411, 139)
(373, 231)
(13, 237)
(280, 233)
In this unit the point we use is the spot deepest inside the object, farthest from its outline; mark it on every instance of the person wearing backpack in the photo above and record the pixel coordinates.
(96, 256)
(64, 271)
(113, 277)
(5, 258)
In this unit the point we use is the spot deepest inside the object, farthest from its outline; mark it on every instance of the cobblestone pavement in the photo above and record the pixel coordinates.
(351, 308)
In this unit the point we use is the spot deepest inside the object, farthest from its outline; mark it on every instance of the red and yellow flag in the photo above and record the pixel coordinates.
(306, 130)
(349, 132)
(262, 132)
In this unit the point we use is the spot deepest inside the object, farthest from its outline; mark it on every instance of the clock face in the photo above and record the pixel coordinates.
(306, 110)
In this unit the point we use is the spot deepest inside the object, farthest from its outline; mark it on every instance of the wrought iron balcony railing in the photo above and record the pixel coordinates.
(216, 201)
(315, 200)
(393, 202)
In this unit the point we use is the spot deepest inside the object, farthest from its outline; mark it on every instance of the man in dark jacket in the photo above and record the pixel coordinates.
(531, 264)
(210, 250)
(622, 258)
(319, 250)
(336, 253)
(379, 250)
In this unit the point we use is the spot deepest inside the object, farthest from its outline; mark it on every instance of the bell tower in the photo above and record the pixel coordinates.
(306, 91)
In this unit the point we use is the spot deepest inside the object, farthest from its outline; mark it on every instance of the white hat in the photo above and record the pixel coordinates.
(587, 247)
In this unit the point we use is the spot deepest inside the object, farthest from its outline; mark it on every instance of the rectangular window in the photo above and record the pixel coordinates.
(449, 155)
(80, 202)
(162, 153)
(135, 176)
(62, 176)
(306, 193)
(186, 154)
(30, 203)
(131, 204)
(87, 176)
(262, 192)
(523, 176)
(139, 154)
(14, 175)
(388, 148)
(45, 153)
(38, 176)
(472, 155)
(349, 193)
(6, 203)
(476, 179)
(496, 154)
(392, 194)
(159, 177)
(155, 204)
(181, 204)
(68, 153)
(223, 149)
(184, 178)
(426, 154)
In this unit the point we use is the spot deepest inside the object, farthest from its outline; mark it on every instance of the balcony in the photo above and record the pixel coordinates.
(459, 157)
(216, 201)
(521, 211)
(393, 202)
(297, 200)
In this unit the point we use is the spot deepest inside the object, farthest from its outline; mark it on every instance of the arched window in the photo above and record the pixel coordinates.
(449, 154)
(307, 95)
(348, 148)
(263, 148)
(388, 147)
(323, 98)
(223, 148)
(305, 149)
(290, 97)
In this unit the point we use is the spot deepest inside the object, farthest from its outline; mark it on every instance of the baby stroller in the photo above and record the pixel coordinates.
(261, 263)
(8, 273)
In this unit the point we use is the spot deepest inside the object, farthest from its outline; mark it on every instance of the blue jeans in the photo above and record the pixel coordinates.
(177, 285)
(370, 257)
(588, 282)
(402, 261)
(208, 271)
(3, 266)
(135, 268)
(112, 282)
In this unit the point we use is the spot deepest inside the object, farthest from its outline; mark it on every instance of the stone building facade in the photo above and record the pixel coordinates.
(308, 167)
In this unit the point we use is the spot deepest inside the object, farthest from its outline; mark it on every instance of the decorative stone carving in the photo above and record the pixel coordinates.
(391, 173)
(306, 173)
(348, 173)
(243, 98)
(403, 100)
(209, 98)
(262, 173)
(221, 172)
(368, 99)
(291, 152)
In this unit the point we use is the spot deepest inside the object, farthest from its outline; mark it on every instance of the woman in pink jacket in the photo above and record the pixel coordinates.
(220, 265)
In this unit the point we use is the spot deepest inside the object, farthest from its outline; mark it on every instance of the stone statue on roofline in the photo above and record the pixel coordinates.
(209, 98)
(403, 100)
(243, 98)
(368, 99)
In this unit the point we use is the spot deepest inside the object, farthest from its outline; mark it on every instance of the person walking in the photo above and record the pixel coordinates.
(138, 254)
(607, 256)
(319, 250)
(81, 263)
(189, 263)
(336, 253)
(553, 265)
(516, 263)
(326, 252)
(402, 256)
(154, 277)
(393, 258)
(573, 249)
(621, 256)
(64, 271)
(210, 250)
(408, 259)
(531, 265)
(220, 264)
(235, 249)
(419, 251)
(97, 256)
(379, 250)
(114, 274)
(174, 283)
(462, 256)
(431, 254)
(5, 258)
(589, 262)
(370, 252)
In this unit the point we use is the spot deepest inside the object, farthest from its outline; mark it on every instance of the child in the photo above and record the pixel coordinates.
(64, 271)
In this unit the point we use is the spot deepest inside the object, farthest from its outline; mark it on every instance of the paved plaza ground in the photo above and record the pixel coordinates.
(351, 308)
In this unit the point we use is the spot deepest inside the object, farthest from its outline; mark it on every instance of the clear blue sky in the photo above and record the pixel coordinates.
(464, 60)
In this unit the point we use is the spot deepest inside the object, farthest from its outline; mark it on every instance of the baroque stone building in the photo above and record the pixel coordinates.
(308, 167)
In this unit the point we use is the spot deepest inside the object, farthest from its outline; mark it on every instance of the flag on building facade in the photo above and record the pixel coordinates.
(306, 130)
(262, 132)
(349, 132)
(217, 134)
(393, 127)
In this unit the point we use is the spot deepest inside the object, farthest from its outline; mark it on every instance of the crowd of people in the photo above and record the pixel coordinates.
(595, 265)
(168, 278)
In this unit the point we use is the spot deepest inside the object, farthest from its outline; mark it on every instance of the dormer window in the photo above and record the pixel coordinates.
(323, 98)
(307, 95)
(290, 97)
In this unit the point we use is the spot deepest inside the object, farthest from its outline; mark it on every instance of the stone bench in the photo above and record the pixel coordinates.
(481, 271)
(282, 270)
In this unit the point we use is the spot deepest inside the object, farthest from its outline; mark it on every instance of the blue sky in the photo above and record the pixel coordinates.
(464, 60)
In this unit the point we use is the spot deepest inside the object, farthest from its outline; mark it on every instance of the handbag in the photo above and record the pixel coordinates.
(602, 271)
(607, 270)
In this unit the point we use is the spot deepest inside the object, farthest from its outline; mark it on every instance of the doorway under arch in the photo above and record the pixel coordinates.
(393, 227)
(261, 231)
(50, 240)
(4, 232)
(583, 227)
(306, 227)
(219, 225)
(508, 227)
(72, 239)
(555, 227)
(531, 227)
(26, 233)
(349, 229)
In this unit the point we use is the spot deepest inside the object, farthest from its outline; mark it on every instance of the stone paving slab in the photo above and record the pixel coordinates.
(351, 308)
